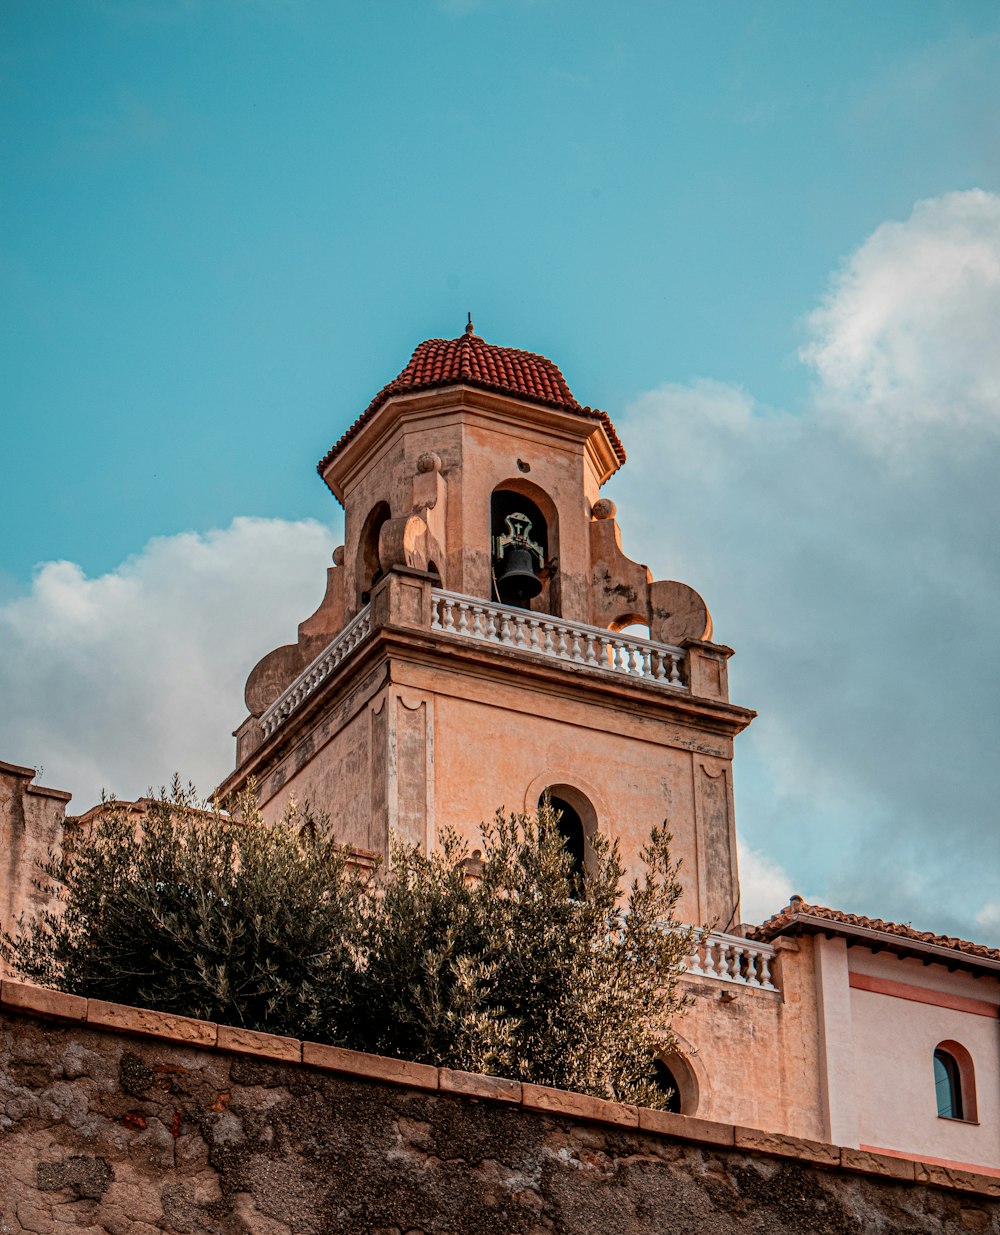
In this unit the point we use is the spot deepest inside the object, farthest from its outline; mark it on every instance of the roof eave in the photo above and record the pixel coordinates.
(807, 923)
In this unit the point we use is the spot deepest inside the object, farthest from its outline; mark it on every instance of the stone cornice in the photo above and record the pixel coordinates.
(475, 404)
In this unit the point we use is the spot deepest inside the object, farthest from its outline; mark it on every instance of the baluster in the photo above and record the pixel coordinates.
(709, 966)
(738, 955)
(693, 963)
(548, 629)
(647, 663)
(722, 964)
(436, 606)
(765, 972)
(753, 961)
(449, 615)
(562, 648)
(675, 673)
(576, 652)
(591, 644)
(519, 625)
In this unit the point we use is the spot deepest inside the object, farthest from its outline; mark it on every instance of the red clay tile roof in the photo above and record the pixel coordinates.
(471, 361)
(787, 918)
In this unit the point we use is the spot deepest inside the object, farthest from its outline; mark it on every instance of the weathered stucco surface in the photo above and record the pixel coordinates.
(104, 1133)
(756, 1060)
(31, 821)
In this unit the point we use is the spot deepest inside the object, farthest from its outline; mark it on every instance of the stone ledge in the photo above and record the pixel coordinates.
(580, 1106)
(868, 1163)
(686, 1127)
(472, 1085)
(776, 1143)
(952, 1177)
(263, 1045)
(149, 1024)
(42, 1001)
(373, 1067)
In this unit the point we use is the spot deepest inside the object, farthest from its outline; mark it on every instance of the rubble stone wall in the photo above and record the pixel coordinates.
(106, 1131)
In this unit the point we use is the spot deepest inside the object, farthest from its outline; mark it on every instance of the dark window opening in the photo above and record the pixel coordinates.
(369, 569)
(665, 1080)
(570, 826)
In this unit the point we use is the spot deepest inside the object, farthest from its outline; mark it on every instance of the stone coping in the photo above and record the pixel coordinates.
(43, 1002)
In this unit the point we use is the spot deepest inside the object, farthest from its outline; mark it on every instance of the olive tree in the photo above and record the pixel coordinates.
(513, 963)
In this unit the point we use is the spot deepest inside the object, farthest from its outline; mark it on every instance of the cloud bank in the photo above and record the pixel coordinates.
(849, 551)
(119, 681)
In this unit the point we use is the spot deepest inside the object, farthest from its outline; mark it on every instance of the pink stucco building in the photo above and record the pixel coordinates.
(483, 639)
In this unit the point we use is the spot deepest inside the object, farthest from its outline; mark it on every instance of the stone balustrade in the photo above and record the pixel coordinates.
(358, 629)
(524, 631)
(730, 958)
(518, 629)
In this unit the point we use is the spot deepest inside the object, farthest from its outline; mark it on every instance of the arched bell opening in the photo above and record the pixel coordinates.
(576, 820)
(368, 570)
(524, 530)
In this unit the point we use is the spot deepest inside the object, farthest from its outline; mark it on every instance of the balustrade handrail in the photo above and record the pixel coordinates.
(317, 671)
(447, 604)
(732, 958)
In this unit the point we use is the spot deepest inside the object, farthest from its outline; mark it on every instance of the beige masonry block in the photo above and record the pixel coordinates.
(686, 1127)
(473, 1085)
(578, 1105)
(42, 1001)
(374, 1067)
(263, 1045)
(876, 1164)
(952, 1177)
(149, 1024)
(788, 1146)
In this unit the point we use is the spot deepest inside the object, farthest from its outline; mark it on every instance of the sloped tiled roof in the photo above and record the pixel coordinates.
(471, 361)
(787, 919)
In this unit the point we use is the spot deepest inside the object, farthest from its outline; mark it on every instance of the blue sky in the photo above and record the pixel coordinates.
(223, 226)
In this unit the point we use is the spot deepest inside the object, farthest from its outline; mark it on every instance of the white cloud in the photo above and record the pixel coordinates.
(849, 553)
(118, 681)
(907, 335)
(764, 886)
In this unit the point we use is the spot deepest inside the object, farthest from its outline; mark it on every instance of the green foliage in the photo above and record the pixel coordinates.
(525, 969)
(187, 911)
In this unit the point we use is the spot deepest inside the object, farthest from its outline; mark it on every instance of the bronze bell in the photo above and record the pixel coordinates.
(518, 583)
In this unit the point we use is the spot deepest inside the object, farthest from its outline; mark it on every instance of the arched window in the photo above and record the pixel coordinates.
(665, 1080)
(673, 1071)
(954, 1082)
(577, 821)
(369, 570)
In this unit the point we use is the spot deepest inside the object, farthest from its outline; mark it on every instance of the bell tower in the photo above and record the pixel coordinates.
(471, 651)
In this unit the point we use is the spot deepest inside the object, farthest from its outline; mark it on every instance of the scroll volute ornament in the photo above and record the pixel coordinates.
(676, 613)
(624, 591)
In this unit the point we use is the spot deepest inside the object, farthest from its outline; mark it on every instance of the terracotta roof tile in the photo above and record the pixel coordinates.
(471, 361)
(786, 919)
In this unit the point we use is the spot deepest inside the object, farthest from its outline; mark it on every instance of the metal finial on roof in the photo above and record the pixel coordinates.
(469, 328)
